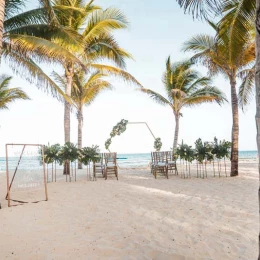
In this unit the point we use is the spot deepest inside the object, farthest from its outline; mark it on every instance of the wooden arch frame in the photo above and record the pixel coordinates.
(9, 184)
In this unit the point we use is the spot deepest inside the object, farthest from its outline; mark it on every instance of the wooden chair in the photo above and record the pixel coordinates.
(160, 164)
(98, 167)
(171, 162)
(110, 165)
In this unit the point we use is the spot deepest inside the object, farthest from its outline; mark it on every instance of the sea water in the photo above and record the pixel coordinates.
(132, 160)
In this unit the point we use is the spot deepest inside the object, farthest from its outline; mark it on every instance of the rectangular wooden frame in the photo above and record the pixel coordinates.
(9, 185)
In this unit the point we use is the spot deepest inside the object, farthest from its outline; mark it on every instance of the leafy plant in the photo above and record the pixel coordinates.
(203, 154)
(186, 153)
(89, 154)
(68, 152)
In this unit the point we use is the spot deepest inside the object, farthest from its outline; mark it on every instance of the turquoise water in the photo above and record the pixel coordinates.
(124, 160)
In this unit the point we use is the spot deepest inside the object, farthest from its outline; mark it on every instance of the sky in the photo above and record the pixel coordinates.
(155, 32)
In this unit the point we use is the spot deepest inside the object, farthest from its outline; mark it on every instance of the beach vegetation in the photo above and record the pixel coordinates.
(222, 55)
(184, 87)
(9, 95)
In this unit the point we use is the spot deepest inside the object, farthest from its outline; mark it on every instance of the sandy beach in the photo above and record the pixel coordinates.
(136, 217)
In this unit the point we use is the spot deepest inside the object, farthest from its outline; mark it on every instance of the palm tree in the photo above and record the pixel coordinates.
(184, 87)
(9, 95)
(85, 90)
(95, 26)
(222, 55)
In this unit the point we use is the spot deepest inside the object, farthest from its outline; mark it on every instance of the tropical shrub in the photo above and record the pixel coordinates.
(89, 154)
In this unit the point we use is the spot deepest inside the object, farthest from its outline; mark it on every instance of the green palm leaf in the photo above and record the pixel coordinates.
(246, 89)
(104, 22)
(205, 95)
(112, 71)
(156, 96)
(9, 95)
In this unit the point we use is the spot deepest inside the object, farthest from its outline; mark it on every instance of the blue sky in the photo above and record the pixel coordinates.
(156, 31)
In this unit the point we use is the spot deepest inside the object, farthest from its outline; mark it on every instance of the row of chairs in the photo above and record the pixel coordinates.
(163, 163)
(107, 165)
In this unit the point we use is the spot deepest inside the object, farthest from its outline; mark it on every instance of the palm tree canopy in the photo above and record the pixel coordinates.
(222, 54)
(95, 26)
(33, 37)
(205, 9)
(9, 95)
(86, 87)
(185, 87)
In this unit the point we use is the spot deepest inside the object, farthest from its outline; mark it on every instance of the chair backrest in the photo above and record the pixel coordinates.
(169, 156)
(159, 157)
(110, 158)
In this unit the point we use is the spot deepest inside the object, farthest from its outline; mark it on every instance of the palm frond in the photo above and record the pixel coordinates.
(155, 96)
(104, 22)
(201, 8)
(40, 49)
(119, 73)
(204, 95)
(237, 24)
(246, 89)
(105, 47)
(30, 71)
(35, 16)
(9, 95)
(12, 7)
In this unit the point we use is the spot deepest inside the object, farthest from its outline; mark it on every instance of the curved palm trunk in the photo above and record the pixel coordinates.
(80, 124)
(235, 128)
(2, 16)
(69, 76)
(176, 133)
(257, 84)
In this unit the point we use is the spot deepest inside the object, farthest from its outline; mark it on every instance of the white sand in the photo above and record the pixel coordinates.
(136, 217)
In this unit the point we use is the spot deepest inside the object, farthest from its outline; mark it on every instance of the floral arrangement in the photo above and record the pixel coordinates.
(118, 129)
(157, 144)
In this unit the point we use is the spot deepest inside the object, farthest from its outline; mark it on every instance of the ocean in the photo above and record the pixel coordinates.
(136, 160)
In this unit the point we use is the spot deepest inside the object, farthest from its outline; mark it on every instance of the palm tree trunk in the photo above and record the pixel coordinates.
(69, 76)
(235, 128)
(257, 84)
(80, 124)
(176, 133)
(2, 15)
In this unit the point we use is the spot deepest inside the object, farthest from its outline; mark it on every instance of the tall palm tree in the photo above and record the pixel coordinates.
(86, 87)
(9, 95)
(184, 87)
(95, 25)
(222, 55)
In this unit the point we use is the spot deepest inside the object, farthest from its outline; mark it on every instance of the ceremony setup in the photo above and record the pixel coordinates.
(125, 135)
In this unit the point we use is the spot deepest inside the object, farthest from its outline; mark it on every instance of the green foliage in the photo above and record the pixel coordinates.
(9, 95)
(221, 149)
(157, 144)
(68, 152)
(185, 152)
(203, 151)
(89, 154)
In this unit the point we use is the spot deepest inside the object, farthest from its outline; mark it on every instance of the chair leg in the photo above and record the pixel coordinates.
(116, 173)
